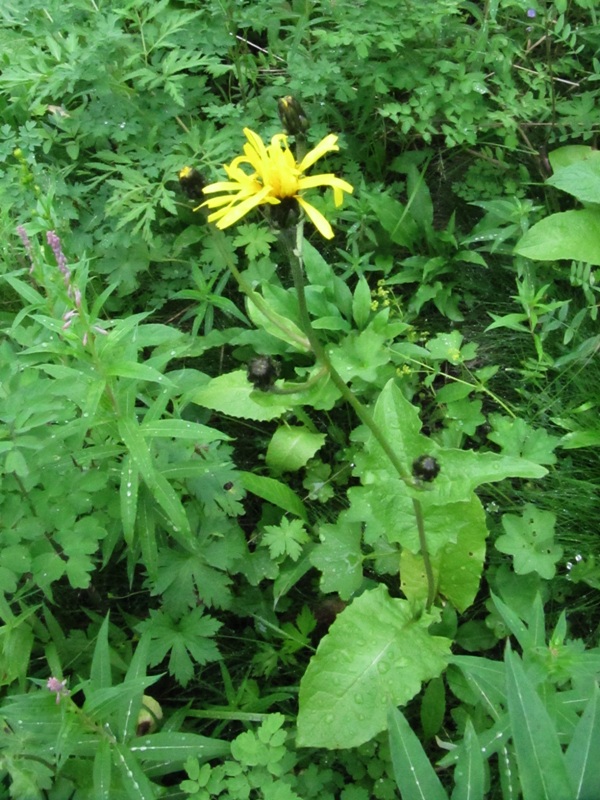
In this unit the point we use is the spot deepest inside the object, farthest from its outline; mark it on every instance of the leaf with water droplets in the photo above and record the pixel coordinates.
(345, 693)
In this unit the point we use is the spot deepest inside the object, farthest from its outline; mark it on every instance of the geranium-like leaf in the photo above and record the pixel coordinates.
(529, 539)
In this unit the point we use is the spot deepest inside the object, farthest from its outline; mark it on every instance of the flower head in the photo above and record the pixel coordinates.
(276, 176)
(57, 687)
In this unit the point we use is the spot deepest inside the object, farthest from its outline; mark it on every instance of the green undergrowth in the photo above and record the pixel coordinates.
(281, 516)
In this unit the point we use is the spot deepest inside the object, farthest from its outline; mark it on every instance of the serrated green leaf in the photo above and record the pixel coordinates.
(291, 447)
(415, 776)
(233, 394)
(286, 539)
(274, 492)
(518, 439)
(375, 654)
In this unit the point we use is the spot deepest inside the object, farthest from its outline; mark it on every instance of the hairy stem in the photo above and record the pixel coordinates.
(294, 249)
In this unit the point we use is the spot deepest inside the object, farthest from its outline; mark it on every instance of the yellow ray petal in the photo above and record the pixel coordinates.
(327, 179)
(317, 219)
(229, 216)
(326, 145)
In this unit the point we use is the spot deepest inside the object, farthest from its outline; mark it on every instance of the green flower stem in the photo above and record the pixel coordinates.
(295, 254)
(255, 298)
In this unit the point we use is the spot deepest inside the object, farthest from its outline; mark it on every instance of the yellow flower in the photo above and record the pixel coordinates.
(276, 176)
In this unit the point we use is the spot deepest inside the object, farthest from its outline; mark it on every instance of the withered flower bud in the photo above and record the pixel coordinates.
(262, 372)
(191, 182)
(425, 468)
(292, 115)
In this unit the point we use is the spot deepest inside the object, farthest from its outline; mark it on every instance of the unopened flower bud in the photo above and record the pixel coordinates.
(191, 182)
(262, 372)
(292, 115)
(425, 468)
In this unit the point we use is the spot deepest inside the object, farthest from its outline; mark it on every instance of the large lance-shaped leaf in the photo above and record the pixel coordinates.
(583, 753)
(542, 767)
(415, 776)
(376, 655)
(574, 235)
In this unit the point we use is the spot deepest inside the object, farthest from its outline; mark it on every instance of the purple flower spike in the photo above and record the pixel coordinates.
(54, 242)
(531, 13)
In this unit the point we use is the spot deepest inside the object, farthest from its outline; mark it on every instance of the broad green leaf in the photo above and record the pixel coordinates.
(580, 179)
(395, 219)
(291, 447)
(433, 707)
(570, 154)
(275, 492)
(170, 746)
(583, 754)
(376, 654)
(233, 394)
(415, 776)
(457, 564)
(469, 770)
(573, 235)
(542, 768)
(339, 557)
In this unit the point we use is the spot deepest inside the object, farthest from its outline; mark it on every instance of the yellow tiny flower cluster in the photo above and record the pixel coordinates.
(383, 297)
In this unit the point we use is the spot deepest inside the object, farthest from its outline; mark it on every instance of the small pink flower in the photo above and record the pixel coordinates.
(58, 687)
